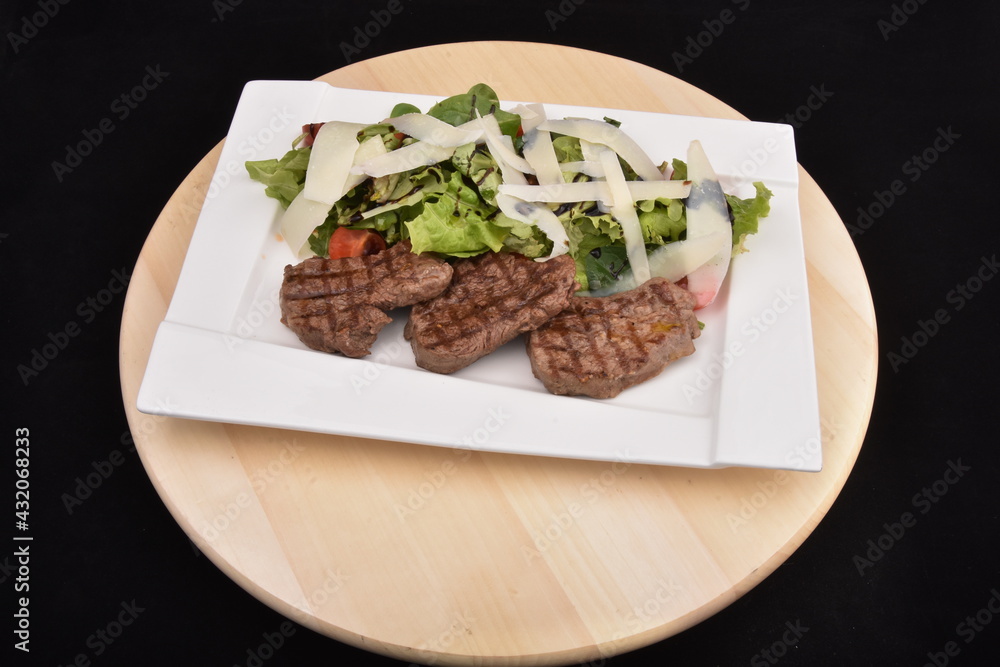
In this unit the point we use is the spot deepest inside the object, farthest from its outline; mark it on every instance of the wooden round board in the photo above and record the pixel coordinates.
(445, 555)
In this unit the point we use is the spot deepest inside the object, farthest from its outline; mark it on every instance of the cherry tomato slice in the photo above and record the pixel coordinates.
(355, 243)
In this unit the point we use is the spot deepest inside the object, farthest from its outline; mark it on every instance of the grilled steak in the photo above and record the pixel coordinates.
(337, 305)
(600, 346)
(491, 300)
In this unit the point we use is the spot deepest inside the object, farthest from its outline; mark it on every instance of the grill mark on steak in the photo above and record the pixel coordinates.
(492, 299)
(337, 305)
(600, 346)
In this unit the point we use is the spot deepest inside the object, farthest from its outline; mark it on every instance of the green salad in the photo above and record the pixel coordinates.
(467, 177)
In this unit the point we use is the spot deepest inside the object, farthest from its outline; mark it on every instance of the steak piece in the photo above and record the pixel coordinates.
(338, 305)
(600, 346)
(492, 299)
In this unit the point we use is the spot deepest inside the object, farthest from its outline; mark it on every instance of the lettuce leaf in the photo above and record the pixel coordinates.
(475, 163)
(284, 178)
(680, 170)
(402, 109)
(603, 265)
(454, 222)
(462, 108)
(588, 236)
(746, 214)
(567, 148)
(662, 220)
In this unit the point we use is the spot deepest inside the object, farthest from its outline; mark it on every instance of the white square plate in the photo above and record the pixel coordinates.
(747, 397)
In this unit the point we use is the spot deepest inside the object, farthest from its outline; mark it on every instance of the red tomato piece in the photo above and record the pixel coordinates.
(355, 243)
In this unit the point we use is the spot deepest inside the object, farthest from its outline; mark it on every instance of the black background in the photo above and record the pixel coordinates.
(890, 89)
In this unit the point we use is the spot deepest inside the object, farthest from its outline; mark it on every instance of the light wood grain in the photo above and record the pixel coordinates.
(455, 557)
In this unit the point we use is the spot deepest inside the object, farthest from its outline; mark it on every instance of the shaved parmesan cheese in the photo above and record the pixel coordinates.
(623, 209)
(300, 219)
(512, 166)
(592, 153)
(434, 131)
(676, 260)
(600, 132)
(417, 154)
(540, 154)
(330, 161)
(531, 115)
(645, 190)
(370, 148)
(592, 169)
(409, 199)
(567, 193)
(707, 213)
(672, 261)
(559, 193)
(539, 216)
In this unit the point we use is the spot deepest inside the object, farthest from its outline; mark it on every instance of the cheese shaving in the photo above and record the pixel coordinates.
(434, 131)
(512, 166)
(540, 216)
(417, 154)
(301, 217)
(606, 134)
(330, 161)
(568, 193)
(623, 209)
